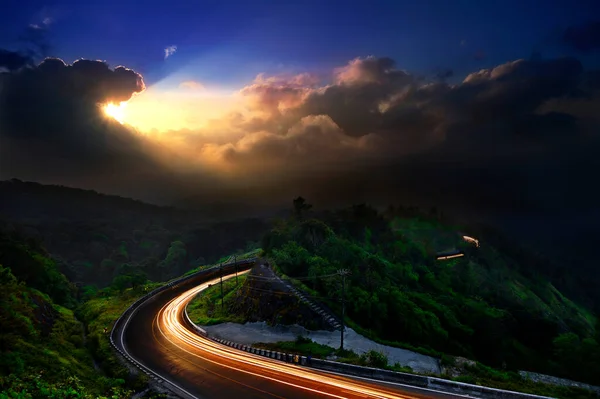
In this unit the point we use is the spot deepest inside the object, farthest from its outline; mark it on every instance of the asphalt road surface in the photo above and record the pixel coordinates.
(160, 337)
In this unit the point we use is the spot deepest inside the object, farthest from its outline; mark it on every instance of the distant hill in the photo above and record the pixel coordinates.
(30, 201)
(52, 340)
(85, 229)
(93, 237)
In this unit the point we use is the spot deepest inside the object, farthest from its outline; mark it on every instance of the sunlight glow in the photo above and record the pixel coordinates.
(117, 112)
(171, 110)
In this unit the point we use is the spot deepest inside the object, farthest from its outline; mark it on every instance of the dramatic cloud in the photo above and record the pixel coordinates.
(502, 138)
(312, 143)
(43, 25)
(52, 124)
(12, 61)
(584, 38)
(169, 51)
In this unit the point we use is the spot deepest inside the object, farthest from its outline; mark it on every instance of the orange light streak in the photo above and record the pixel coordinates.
(449, 256)
(169, 324)
(471, 240)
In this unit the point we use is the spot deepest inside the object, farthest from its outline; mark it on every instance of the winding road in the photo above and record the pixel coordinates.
(160, 337)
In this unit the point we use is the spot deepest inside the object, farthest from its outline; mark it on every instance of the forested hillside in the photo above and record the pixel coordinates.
(44, 349)
(95, 238)
(491, 306)
(499, 304)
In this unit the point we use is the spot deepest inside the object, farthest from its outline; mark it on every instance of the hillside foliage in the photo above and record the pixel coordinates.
(481, 306)
(95, 238)
(46, 348)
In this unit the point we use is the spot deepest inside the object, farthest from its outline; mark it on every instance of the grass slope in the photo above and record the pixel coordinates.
(43, 349)
(50, 344)
(206, 308)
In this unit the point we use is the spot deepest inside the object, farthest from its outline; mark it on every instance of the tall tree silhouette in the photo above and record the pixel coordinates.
(300, 206)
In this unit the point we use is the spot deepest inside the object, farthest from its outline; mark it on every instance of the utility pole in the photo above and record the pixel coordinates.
(235, 263)
(343, 273)
(221, 268)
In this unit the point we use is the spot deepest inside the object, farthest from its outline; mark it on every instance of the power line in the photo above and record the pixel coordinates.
(343, 273)
(221, 269)
(286, 293)
(294, 278)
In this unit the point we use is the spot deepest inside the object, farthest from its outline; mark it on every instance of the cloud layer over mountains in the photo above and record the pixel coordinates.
(521, 135)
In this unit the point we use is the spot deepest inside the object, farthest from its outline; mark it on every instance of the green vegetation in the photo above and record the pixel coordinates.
(206, 308)
(482, 306)
(99, 315)
(301, 346)
(91, 236)
(251, 253)
(477, 374)
(44, 348)
(238, 256)
(307, 347)
(498, 305)
(35, 269)
(427, 233)
(480, 374)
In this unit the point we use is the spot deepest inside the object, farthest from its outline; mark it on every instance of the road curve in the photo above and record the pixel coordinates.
(159, 336)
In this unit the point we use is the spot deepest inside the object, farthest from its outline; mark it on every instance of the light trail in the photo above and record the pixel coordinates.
(169, 323)
(444, 257)
(471, 240)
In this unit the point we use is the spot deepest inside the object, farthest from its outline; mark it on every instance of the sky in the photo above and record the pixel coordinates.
(484, 107)
(214, 38)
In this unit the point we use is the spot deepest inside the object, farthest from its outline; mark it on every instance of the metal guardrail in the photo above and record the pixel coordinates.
(130, 311)
(413, 380)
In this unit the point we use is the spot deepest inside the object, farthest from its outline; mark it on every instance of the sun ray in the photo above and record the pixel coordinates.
(117, 112)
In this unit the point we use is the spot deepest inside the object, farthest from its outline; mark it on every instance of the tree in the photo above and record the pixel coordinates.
(300, 206)
(88, 292)
(312, 233)
(174, 262)
(129, 277)
(567, 351)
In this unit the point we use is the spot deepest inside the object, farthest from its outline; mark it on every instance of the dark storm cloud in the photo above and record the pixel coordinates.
(584, 37)
(370, 97)
(513, 89)
(61, 103)
(359, 89)
(482, 142)
(52, 127)
(376, 132)
(13, 61)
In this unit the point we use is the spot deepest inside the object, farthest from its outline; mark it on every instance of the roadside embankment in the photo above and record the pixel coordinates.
(436, 384)
(251, 333)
